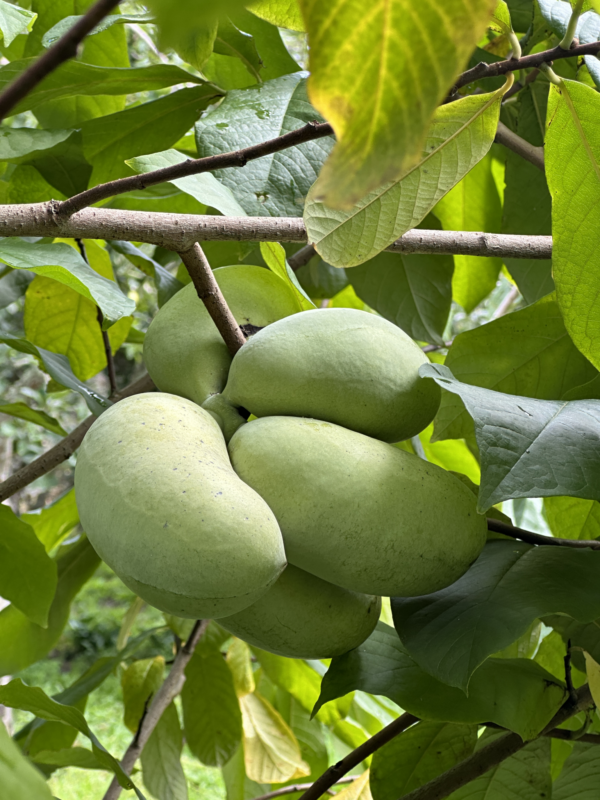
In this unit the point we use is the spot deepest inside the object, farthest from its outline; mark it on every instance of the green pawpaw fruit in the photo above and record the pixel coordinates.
(162, 506)
(184, 352)
(358, 512)
(302, 616)
(340, 365)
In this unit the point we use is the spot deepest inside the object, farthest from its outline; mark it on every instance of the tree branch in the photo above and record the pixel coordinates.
(493, 754)
(302, 257)
(353, 759)
(497, 526)
(166, 694)
(209, 292)
(64, 49)
(179, 232)
(300, 787)
(65, 448)
(535, 155)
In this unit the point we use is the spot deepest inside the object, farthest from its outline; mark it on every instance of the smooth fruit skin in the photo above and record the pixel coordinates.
(184, 352)
(162, 506)
(302, 616)
(358, 512)
(340, 365)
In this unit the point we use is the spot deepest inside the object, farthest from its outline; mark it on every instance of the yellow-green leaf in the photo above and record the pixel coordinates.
(358, 789)
(238, 661)
(378, 72)
(592, 669)
(283, 13)
(274, 256)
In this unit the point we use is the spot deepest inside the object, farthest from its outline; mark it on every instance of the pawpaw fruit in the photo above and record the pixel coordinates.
(358, 512)
(340, 365)
(161, 504)
(184, 352)
(302, 616)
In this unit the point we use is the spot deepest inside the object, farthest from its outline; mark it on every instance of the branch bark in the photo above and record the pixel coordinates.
(65, 448)
(179, 232)
(535, 155)
(353, 759)
(64, 49)
(209, 292)
(300, 787)
(166, 694)
(497, 526)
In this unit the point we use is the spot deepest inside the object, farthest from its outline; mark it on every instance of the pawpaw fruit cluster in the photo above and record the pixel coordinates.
(199, 529)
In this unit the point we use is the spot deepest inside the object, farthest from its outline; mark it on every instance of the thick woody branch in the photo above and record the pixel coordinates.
(64, 49)
(65, 448)
(209, 292)
(162, 699)
(179, 232)
(497, 526)
(535, 155)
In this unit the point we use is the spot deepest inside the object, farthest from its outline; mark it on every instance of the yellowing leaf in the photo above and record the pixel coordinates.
(357, 790)
(271, 751)
(238, 661)
(274, 256)
(500, 21)
(592, 669)
(378, 72)
(283, 13)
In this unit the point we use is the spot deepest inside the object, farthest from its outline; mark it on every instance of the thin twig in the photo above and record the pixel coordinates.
(65, 448)
(162, 699)
(209, 292)
(300, 787)
(497, 526)
(64, 49)
(353, 759)
(535, 155)
(507, 301)
(302, 257)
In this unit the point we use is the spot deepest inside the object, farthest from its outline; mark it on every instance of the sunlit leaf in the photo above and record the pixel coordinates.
(283, 13)
(13, 21)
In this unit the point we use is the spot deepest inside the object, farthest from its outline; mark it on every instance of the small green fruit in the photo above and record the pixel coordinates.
(302, 616)
(162, 506)
(340, 365)
(358, 512)
(184, 352)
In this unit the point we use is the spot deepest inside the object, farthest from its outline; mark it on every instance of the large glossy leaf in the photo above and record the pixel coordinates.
(275, 185)
(580, 776)
(557, 14)
(528, 353)
(417, 756)
(211, 719)
(77, 78)
(573, 518)
(451, 632)
(53, 522)
(161, 759)
(23, 411)
(27, 575)
(473, 205)
(529, 448)
(573, 170)
(460, 135)
(58, 30)
(523, 776)
(19, 144)
(204, 187)
(234, 43)
(19, 779)
(377, 74)
(514, 693)
(110, 140)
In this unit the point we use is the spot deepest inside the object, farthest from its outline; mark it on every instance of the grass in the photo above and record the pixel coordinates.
(96, 618)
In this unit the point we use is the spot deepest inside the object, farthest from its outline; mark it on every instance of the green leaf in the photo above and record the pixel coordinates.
(413, 292)
(573, 172)
(382, 665)
(13, 21)
(283, 13)
(417, 756)
(237, 783)
(584, 635)
(274, 185)
(381, 92)
(166, 284)
(23, 411)
(22, 642)
(59, 369)
(580, 776)
(273, 53)
(527, 353)
(521, 12)
(27, 575)
(451, 632)
(64, 264)
(139, 683)
(13, 285)
(240, 664)
(453, 455)
(500, 21)
(19, 779)
(110, 140)
(473, 205)
(69, 757)
(529, 448)
(572, 518)
(16, 694)
(274, 256)
(161, 759)
(53, 34)
(19, 144)
(76, 78)
(459, 137)
(204, 186)
(232, 42)
(523, 776)
(211, 719)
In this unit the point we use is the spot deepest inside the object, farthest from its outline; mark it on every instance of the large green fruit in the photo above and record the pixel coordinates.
(358, 512)
(340, 365)
(302, 616)
(184, 352)
(162, 506)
